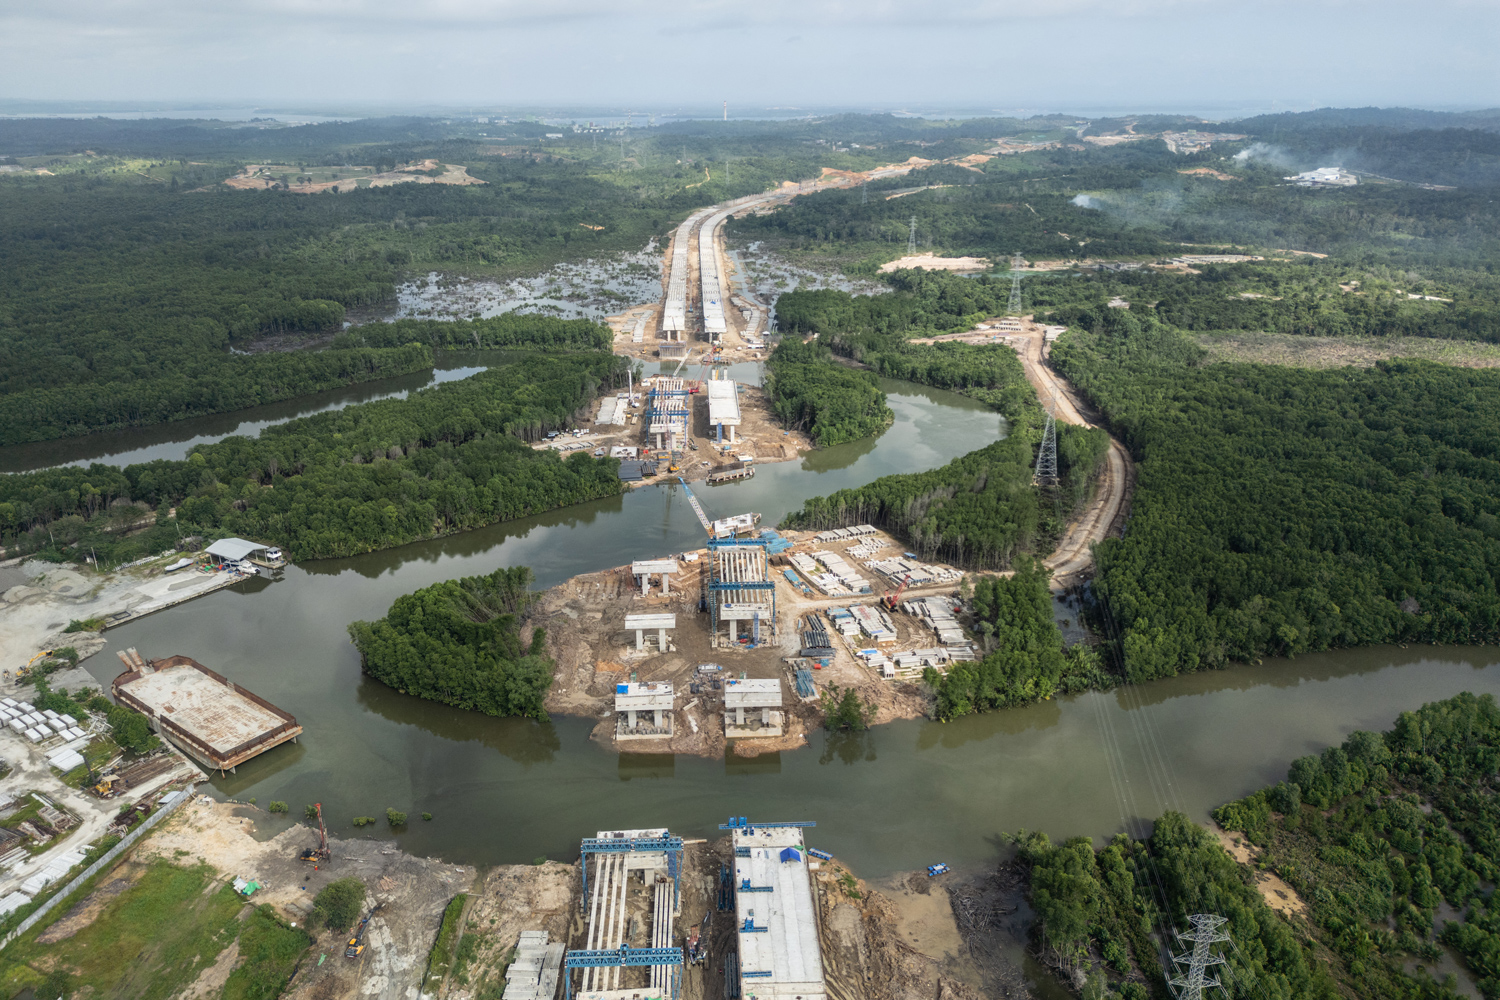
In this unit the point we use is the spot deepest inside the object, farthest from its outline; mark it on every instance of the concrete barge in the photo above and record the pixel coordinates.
(211, 719)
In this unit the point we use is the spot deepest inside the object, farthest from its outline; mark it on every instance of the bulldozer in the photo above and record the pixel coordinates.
(321, 852)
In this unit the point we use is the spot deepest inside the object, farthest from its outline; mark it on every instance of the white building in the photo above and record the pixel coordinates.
(1324, 177)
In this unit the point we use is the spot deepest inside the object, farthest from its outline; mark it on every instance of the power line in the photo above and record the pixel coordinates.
(1016, 263)
(1204, 935)
(1046, 456)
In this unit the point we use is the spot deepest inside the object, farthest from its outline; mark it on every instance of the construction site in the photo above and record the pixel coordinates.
(731, 647)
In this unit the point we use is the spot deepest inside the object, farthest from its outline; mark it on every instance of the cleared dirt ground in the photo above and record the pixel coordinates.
(585, 622)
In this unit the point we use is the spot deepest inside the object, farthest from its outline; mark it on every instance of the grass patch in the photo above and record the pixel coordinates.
(441, 956)
(148, 942)
(468, 946)
(269, 950)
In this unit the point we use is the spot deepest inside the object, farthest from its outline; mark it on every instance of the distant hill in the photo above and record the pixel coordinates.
(1400, 119)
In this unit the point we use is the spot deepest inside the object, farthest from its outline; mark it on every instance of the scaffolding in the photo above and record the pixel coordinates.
(740, 587)
(667, 413)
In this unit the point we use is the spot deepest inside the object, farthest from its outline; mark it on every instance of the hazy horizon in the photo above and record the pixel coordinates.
(448, 56)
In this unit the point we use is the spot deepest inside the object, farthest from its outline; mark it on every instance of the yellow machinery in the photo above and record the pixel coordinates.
(24, 672)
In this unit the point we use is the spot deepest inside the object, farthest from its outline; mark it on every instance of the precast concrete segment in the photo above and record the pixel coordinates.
(777, 930)
(724, 405)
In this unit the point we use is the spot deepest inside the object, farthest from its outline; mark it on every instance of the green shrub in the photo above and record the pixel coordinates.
(310, 812)
(279, 807)
(337, 905)
(395, 817)
(363, 820)
(427, 816)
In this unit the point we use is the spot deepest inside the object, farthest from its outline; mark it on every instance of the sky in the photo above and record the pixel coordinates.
(1192, 56)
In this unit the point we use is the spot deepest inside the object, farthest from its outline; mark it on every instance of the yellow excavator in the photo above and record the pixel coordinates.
(23, 672)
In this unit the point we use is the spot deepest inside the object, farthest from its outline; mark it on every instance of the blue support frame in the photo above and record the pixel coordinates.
(672, 846)
(741, 823)
(623, 956)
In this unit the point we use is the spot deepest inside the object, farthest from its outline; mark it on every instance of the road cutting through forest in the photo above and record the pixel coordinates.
(1106, 512)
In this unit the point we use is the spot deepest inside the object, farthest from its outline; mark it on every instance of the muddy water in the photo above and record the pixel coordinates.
(899, 797)
(175, 439)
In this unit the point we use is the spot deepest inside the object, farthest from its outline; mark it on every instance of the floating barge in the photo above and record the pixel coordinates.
(208, 717)
(735, 472)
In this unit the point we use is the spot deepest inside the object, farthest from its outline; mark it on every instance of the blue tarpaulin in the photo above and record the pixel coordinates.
(790, 854)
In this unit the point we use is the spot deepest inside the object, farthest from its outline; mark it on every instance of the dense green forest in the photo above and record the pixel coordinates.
(832, 403)
(460, 642)
(1374, 835)
(1098, 911)
(448, 458)
(1024, 659)
(1279, 511)
(1140, 200)
(136, 288)
(1377, 833)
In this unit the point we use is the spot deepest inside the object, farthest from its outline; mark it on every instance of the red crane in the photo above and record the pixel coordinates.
(321, 852)
(891, 600)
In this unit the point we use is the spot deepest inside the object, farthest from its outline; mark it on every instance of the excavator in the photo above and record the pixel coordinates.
(357, 942)
(23, 672)
(321, 852)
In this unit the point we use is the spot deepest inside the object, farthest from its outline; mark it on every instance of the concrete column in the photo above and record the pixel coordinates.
(732, 636)
(661, 639)
(640, 638)
(631, 716)
(765, 717)
(739, 716)
(666, 584)
(731, 433)
(658, 718)
(645, 585)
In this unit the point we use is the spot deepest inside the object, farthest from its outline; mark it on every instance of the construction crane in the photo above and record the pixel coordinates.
(321, 852)
(697, 507)
(891, 600)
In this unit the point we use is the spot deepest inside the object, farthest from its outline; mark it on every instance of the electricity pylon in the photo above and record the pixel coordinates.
(1046, 456)
(864, 192)
(1190, 984)
(1016, 263)
(911, 239)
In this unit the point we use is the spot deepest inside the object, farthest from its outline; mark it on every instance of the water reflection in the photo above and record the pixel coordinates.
(647, 765)
(524, 741)
(848, 748)
(742, 767)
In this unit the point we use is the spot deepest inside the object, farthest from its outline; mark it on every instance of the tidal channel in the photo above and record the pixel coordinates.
(896, 798)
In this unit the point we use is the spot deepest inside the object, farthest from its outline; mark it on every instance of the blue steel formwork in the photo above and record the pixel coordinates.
(672, 846)
(741, 823)
(623, 956)
(717, 589)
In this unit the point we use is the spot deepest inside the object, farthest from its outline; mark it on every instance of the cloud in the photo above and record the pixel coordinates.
(1085, 201)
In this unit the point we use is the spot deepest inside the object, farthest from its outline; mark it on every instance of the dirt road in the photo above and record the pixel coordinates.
(1074, 554)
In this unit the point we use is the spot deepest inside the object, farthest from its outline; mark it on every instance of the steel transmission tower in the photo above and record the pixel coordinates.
(911, 239)
(864, 192)
(1190, 984)
(1046, 456)
(1016, 263)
